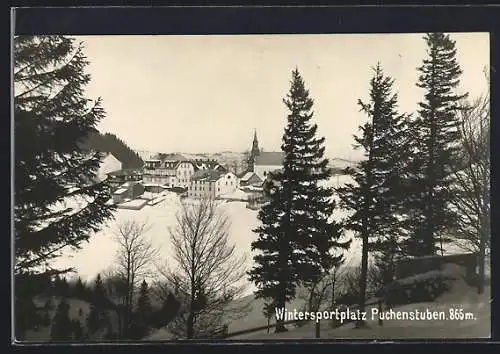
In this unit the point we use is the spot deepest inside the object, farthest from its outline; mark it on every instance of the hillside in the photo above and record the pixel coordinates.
(111, 143)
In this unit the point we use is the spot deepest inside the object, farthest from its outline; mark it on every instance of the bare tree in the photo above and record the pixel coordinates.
(135, 257)
(472, 172)
(208, 272)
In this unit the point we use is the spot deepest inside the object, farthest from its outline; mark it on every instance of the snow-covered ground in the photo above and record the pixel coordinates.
(98, 254)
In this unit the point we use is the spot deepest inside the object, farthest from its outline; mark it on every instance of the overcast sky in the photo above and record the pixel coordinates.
(208, 93)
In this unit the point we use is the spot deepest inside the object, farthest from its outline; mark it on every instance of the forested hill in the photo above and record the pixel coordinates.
(111, 143)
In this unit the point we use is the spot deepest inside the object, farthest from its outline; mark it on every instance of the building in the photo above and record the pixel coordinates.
(262, 162)
(129, 190)
(168, 170)
(210, 183)
(208, 164)
(117, 178)
(267, 162)
(250, 179)
(109, 163)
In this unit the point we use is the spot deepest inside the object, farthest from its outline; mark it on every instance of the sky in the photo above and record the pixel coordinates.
(197, 94)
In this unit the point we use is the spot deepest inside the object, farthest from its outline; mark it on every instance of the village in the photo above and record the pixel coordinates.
(195, 179)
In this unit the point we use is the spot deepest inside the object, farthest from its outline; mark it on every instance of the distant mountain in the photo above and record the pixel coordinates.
(111, 143)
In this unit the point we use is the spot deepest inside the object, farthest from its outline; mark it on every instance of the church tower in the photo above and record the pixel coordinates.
(253, 153)
(255, 145)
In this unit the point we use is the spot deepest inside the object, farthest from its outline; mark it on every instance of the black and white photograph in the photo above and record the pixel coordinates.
(251, 187)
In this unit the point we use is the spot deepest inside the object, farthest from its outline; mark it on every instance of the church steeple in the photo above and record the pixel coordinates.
(254, 152)
(255, 144)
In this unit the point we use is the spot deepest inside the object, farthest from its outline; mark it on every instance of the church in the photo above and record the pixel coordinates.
(263, 162)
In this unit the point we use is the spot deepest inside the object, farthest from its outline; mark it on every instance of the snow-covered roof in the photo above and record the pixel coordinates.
(247, 176)
(120, 191)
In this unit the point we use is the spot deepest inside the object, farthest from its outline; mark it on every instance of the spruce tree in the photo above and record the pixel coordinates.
(435, 146)
(77, 330)
(93, 319)
(297, 235)
(374, 199)
(79, 290)
(62, 328)
(143, 313)
(56, 205)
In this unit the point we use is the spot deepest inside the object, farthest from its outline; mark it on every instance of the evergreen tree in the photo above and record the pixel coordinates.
(297, 236)
(436, 142)
(143, 313)
(99, 293)
(93, 319)
(51, 115)
(62, 326)
(79, 290)
(77, 330)
(375, 198)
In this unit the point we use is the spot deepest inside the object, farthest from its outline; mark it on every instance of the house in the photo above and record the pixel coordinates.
(267, 162)
(210, 183)
(109, 163)
(250, 179)
(168, 170)
(117, 178)
(129, 190)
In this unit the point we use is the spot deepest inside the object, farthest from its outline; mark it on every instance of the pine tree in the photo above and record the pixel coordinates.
(435, 129)
(297, 236)
(51, 115)
(62, 327)
(374, 200)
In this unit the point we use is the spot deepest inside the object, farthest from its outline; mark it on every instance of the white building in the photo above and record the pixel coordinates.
(212, 184)
(169, 170)
(109, 164)
(267, 162)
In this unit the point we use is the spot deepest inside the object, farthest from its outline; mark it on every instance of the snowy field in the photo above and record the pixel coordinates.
(99, 253)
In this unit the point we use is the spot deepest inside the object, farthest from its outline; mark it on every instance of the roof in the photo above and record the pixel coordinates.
(246, 177)
(125, 172)
(208, 175)
(120, 191)
(271, 158)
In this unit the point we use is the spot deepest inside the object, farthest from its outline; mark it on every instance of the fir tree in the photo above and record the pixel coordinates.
(77, 330)
(436, 141)
(297, 235)
(374, 200)
(99, 295)
(93, 319)
(79, 290)
(62, 328)
(51, 115)
(143, 313)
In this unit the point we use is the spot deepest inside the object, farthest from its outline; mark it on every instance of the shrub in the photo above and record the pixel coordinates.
(422, 287)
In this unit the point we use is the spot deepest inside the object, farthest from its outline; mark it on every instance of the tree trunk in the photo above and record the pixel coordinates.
(363, 279)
